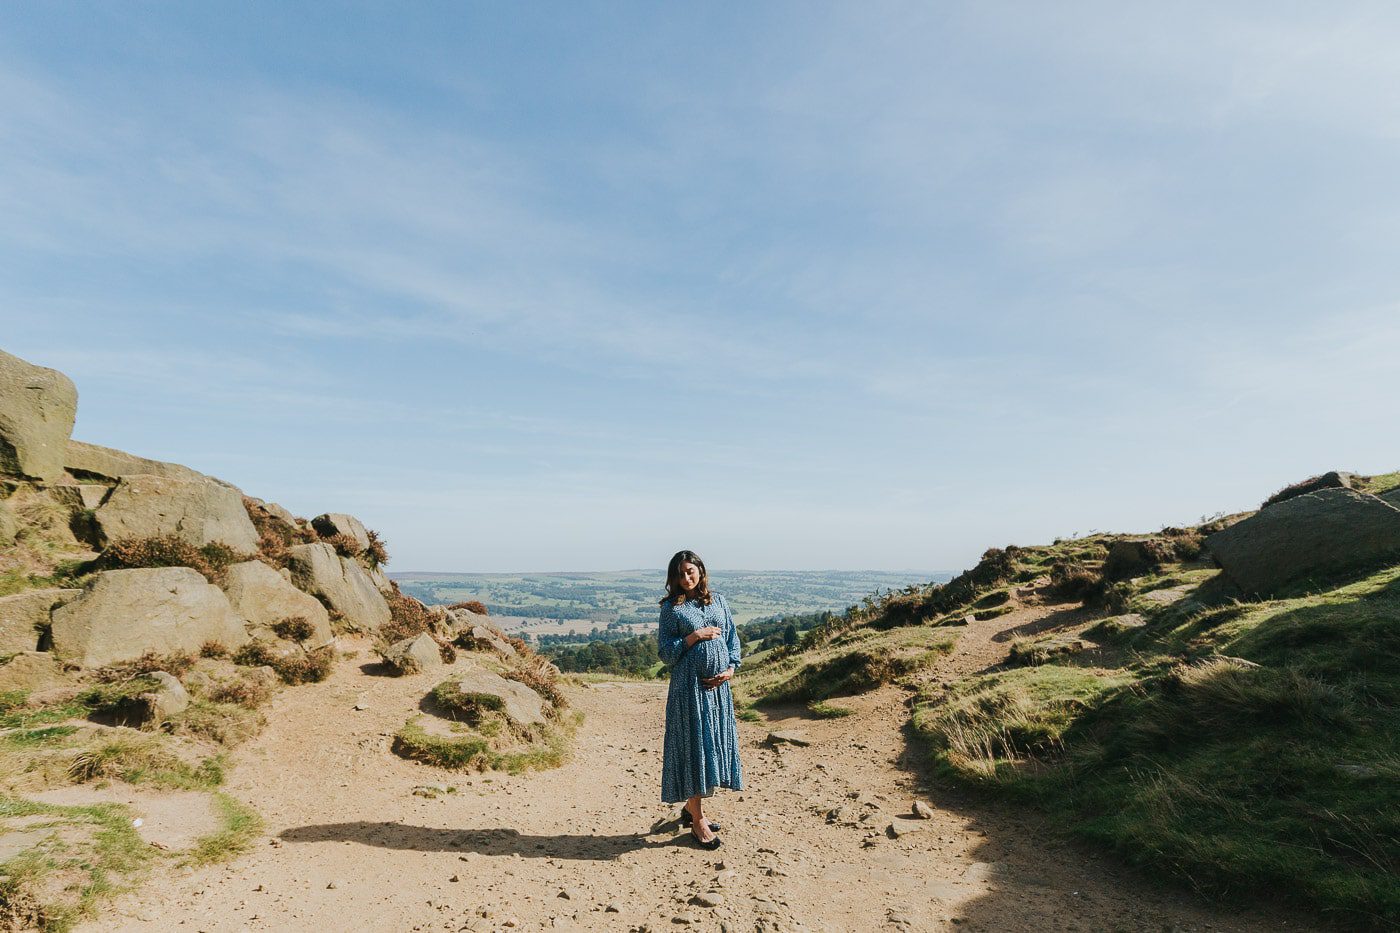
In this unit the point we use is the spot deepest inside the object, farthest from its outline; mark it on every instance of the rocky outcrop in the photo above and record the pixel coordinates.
(107, 465)
(413, 655)
(1392, 496)
(198, 510)
(79, 497)
(262, 597)
(123, 614)
(474, 634)
(338, 523)
(1312, 535)
(1333, 480)
(25, 617)
(521, 705)
(37, 408)
(340, 583)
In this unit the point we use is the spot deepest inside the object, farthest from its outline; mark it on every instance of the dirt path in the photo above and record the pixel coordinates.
(588, 846)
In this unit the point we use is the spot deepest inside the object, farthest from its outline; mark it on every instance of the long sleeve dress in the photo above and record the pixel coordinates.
(701, 749)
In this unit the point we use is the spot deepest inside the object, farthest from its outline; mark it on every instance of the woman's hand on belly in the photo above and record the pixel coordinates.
(712, 682)
(701, 634)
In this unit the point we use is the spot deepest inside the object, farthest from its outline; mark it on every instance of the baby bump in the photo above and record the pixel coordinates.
(711, 658)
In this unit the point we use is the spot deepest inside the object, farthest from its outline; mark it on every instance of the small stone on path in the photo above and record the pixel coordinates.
(922, 810)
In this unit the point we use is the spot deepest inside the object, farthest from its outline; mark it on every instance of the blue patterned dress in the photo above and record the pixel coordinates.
(701, 750)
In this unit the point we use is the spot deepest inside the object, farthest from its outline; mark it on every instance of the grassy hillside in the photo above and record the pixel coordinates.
(1244, 747)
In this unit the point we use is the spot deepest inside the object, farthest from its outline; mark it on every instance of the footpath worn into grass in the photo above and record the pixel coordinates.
(588, 846)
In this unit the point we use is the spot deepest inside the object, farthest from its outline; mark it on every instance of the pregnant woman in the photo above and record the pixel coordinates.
(696, 637)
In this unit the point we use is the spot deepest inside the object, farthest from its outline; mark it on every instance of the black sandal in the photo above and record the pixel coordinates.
(712, 845)
(687, 820)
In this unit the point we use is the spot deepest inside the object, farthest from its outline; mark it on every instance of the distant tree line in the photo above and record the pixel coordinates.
(770, 632)
(635, 655)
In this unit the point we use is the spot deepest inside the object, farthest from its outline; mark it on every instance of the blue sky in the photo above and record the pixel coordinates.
(797, 285)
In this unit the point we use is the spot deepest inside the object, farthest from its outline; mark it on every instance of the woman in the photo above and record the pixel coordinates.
(696, 637)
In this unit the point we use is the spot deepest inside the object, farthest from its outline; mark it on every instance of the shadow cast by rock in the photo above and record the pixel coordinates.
(489, 841)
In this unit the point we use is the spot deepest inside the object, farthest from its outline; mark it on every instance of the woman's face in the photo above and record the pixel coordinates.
(690, 576)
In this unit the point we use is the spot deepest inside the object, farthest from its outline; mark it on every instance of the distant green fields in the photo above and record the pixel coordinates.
(558, 603)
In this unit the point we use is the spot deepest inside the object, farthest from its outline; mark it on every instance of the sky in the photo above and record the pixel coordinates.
(571, 286)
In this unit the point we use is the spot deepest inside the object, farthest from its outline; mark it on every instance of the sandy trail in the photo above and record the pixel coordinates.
(589, 846)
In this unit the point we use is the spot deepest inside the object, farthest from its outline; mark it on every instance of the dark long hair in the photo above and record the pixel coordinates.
(674, 591)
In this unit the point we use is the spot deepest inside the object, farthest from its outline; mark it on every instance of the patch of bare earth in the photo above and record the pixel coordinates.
(589, 846)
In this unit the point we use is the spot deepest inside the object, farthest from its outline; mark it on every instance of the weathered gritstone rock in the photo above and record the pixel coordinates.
(522, 706)
(474, 634)
(263, 598)
(413, 655)
(338, 523)
(24, 616)
(380, 581)
(31, 670)
(37, 408)
(1392, 496)
(278, 512)
(1328, 531)
(200, 511)
(123, 614)
(77, 497)
(341, 583)
(91, 461)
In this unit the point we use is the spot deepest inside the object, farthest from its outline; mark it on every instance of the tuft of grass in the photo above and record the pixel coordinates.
(143, 761)
(465, 705)
(474, 749)
(225, 723)
(455, 753)
(824, 710)
(241, 825)
(94, 853)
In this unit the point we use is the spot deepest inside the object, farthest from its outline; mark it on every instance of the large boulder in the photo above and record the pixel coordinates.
(122, 614)
(413, 655)
(339, 582)
(521, 705)
(1312, 535)
(37, 408)
(263, 598)
(24, 617)
(198, 510)
(1336, 479)
(338, 523)
(1392, 496)
(107, 465)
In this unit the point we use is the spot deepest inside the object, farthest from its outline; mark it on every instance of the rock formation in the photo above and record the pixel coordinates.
(1328, 531)
(37, 408)
(340, 582)
(122, 614)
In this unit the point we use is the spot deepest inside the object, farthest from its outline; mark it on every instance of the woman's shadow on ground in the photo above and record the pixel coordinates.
(496, 841)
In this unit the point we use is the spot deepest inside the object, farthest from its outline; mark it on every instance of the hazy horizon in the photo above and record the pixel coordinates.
(792, 285)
